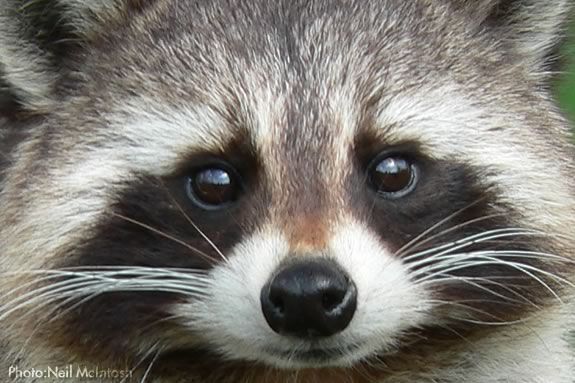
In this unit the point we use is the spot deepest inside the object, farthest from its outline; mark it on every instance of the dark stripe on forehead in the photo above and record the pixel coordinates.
(305, 168)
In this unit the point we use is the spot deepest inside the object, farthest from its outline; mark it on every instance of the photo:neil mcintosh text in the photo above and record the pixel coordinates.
(67, 372)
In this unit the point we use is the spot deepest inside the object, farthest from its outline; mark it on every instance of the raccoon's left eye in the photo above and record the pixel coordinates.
(393, 176)
(213, 187)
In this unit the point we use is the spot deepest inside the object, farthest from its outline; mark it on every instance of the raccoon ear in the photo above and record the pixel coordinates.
(37, 40)
(531, 28)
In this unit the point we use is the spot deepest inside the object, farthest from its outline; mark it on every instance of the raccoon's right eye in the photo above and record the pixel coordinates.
(393, 176)
(213, 187)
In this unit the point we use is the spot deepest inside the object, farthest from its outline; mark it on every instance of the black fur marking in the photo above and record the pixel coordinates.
(161, 204)
(8, 106)
(454, 188)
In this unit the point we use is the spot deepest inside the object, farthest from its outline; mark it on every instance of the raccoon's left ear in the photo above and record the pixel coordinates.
(531, 28)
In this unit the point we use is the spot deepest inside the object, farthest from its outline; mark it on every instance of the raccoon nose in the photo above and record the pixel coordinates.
(309, 299)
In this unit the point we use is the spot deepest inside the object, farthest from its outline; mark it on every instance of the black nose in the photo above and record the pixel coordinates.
(309, 299)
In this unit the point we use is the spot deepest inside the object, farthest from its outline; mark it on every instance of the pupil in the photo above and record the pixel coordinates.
(214, 186)
(392, 175)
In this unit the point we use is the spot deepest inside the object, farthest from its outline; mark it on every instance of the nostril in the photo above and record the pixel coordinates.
(331, 300)
(277, 303)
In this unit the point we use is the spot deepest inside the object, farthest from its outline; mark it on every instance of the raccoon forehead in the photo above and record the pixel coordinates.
(292, 125)
(144, 136)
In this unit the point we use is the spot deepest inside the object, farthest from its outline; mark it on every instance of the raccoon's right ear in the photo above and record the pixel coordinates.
(530, 28)
(38, 39)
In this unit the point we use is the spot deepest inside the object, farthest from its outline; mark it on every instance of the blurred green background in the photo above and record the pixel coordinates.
(565, 84)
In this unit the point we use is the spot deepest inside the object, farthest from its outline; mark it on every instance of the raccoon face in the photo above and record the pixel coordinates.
(295, 184)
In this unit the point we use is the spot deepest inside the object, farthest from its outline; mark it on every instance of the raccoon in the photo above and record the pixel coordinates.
(284, 191)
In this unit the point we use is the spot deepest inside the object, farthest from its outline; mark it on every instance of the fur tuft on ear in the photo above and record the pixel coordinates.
(530, 28)
(24, 66)
(36, 37)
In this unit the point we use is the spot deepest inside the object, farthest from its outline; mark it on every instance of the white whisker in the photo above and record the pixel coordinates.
(474, 239)
(149, 369)
(153, 349)
(494, 261)
(87, 285)
(472, 282)
(413, 244)
(165, 235)
(191, 222)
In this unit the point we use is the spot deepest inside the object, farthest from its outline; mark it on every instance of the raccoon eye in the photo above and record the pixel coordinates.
(213, 187)
(393, 176)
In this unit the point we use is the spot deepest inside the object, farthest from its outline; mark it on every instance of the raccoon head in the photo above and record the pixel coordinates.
(286, 184)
